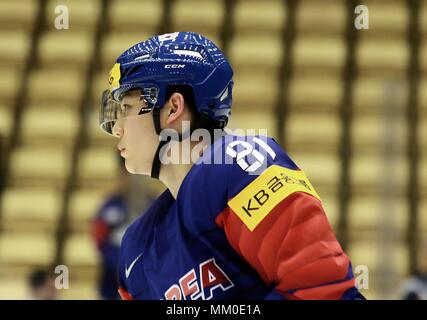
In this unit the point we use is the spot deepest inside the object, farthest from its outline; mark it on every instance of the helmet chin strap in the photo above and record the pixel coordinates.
(200, 121)
(155, 167)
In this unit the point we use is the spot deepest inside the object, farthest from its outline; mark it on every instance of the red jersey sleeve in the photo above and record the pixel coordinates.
(291, 243)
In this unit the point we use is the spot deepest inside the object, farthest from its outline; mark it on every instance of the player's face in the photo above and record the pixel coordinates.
(138, 140)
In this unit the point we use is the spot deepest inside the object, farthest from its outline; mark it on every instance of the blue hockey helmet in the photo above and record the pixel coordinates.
(179, 58)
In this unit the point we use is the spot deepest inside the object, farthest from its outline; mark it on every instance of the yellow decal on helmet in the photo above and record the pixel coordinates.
(114, 79)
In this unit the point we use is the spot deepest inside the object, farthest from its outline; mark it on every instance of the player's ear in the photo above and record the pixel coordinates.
(175, 107)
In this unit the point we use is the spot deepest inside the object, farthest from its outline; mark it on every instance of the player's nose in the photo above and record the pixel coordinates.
(117, 129)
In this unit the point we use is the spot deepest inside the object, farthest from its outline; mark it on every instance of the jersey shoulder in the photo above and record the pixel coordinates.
(250, 157)
(235, 161)
(228, 167)
(262, 177)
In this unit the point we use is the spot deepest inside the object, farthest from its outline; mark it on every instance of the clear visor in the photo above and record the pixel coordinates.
(112, 108)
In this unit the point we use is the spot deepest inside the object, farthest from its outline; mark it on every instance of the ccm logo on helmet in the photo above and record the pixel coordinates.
(174, 66)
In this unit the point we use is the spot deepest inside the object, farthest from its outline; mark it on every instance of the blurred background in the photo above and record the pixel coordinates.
(348, 105)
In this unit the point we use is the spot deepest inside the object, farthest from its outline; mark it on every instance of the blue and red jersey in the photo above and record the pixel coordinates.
(246, 224)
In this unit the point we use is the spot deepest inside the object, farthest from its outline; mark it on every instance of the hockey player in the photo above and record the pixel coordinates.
(249, 226)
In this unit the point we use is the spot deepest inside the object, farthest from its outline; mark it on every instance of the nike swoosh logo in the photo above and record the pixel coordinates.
(128, 270)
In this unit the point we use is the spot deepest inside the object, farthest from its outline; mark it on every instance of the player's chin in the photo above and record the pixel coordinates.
(129, 167)
(133, 168)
